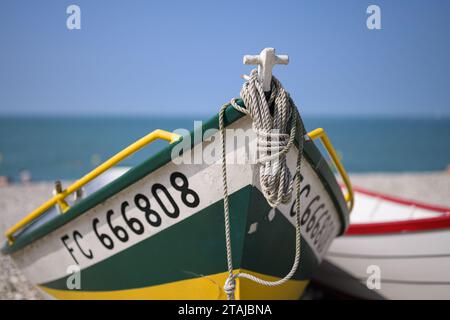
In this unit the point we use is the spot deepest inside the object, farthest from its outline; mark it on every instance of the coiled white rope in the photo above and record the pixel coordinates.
(275, 137)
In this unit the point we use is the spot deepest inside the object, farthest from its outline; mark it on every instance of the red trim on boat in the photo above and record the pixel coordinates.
(420, 205)
(412, 225)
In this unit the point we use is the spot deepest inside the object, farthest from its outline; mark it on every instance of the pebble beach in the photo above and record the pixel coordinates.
(17, 200)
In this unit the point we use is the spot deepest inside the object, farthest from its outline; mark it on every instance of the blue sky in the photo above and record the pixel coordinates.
(185, 57)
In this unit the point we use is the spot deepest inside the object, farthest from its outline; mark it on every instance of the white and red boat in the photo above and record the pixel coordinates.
(406, 242)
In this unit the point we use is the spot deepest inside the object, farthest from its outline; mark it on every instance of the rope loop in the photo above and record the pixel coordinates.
(277, 123)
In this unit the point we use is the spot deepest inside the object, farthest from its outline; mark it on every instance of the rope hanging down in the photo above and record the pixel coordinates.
(275, 137)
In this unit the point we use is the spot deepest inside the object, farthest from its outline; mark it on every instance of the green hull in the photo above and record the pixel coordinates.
(194, 248)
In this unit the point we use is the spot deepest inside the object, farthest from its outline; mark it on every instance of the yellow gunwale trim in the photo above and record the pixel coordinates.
(209, 287)
(322, 135)
(59, 197)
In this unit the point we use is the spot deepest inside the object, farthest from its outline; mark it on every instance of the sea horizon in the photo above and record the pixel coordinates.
(66, 147)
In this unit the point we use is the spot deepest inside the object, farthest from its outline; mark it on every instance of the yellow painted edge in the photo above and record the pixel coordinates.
(320, 133)
(59, 198)
(203, 288)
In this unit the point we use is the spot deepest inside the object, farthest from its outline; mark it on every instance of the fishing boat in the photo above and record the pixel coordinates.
(405, 243)
(156, 230)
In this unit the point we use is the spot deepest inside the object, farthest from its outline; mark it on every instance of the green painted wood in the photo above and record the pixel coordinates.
(195, 247)
(188, 249)
(270, 249)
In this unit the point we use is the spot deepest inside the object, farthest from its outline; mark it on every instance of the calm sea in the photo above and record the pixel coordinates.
(66, 148)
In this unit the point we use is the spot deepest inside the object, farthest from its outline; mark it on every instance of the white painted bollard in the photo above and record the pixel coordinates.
(265, 61)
